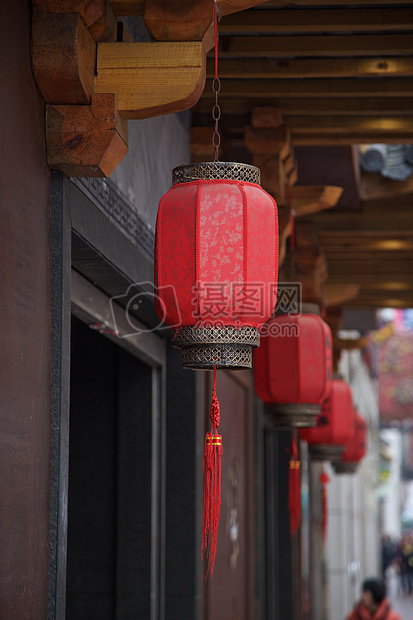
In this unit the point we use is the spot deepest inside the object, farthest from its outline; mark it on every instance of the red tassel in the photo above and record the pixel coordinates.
(212, 486)
(324, 479)
(294, 490)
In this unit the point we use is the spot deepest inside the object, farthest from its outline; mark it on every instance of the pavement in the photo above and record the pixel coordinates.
(402, 603)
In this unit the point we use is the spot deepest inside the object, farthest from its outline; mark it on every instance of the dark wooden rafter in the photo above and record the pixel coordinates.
(324, 65)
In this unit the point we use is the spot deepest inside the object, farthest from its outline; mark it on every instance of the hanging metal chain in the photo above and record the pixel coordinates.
(216, 115)
(216, 87)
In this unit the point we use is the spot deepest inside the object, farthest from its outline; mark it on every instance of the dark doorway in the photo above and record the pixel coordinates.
(110, 504)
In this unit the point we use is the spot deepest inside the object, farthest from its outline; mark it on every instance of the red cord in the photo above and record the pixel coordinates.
(216, 40)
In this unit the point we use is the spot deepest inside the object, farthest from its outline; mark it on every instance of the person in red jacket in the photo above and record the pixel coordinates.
(373, 604)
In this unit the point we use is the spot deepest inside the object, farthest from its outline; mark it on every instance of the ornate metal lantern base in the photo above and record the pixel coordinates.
(325, 452)
(344, 468)
(295, 415)
(221, 346)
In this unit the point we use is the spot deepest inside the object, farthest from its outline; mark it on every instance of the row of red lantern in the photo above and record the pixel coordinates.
(293, 376)
(216, 272)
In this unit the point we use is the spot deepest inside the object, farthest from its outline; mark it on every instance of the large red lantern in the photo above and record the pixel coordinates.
(216, 262)
(293, 367)
(355, 448)
(334, 424)
(216, 272)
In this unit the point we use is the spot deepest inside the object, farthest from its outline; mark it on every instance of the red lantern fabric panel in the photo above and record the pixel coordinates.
(356, 448)
(216, 256)
(175, 255)
(294, 361)
(334, 425)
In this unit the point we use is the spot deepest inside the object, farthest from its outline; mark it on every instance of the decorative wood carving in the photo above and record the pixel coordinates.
(63, 57)
(179, 20)
(310, 263)
(105, 28)
(89, 10)
(150, 79)
(307, 199)
(88, 140)
(76, 57)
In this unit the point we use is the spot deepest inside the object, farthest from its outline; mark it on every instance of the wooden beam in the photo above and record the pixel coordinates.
(313, 45)
(105, 28)
(374, 185)
(179, 20)
(342, 124)
(137, 7)
(313, 88)
(63, 57)
(370, 266)
(311, 67)
(329, 3)
(269, 141)
(337, 295)
(151, 79)
(318, 20)
(90, 10)
(348, 137)
(128, 8)
(88, 140)
(307, 199)
(376, 221)
(356, 106)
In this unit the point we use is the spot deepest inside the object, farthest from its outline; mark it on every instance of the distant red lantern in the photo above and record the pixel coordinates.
(355, 448)
(334, 424)
(293, 367)
(216, 263)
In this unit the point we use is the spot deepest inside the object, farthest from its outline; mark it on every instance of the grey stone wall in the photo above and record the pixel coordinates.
(156, 146)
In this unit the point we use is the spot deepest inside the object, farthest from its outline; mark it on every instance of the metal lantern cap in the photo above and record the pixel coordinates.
(209, 171)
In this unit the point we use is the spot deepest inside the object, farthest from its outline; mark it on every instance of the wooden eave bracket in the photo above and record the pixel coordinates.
(84, 72)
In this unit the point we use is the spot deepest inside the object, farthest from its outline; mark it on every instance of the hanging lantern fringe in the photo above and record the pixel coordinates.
(324, 480)
(212, 484)
(294, 501)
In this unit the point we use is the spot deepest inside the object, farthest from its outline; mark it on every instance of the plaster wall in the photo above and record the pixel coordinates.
(352, 547)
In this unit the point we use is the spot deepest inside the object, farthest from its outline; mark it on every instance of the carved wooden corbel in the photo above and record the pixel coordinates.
(79, 63)
(150, 79)
(86, 140)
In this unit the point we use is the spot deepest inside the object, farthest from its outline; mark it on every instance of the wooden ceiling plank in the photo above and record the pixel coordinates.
(378, 124)
(308, 199)
(311, 67)
(365, 223)
(301, 138)
(313, 87)
(131, 8)
(376, 186)
(327, 3)
(387, 106)
(128, 8)
(318, 20)
(313, 45)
